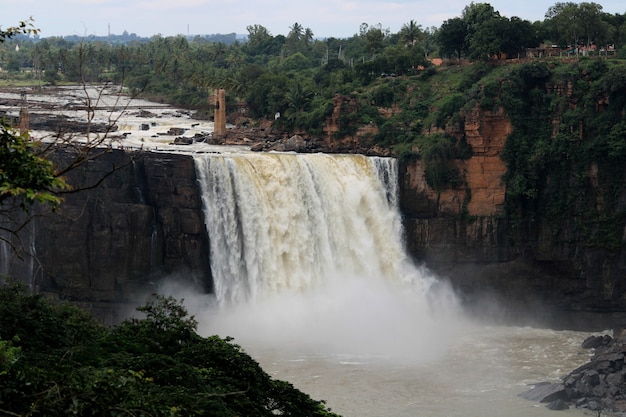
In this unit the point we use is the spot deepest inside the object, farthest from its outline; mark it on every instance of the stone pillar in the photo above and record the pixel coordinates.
(24, 119)
(219, 127)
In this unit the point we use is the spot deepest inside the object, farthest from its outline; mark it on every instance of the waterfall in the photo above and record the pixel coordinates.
(309, 247)
(287, 222)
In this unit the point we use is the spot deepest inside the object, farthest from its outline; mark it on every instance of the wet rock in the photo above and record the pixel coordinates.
(257, 147)
(591, 377)
(181, 140)
(594, 405)
(111, 243)
(145, 113)
(173, 131)
(296, 143)
(593, 342)
(545, 392)
(558, 405)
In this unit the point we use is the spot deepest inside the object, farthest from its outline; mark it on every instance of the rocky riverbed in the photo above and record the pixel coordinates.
(135, 123)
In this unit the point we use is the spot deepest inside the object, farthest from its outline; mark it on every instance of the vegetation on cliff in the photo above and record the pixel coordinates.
(565, 157)
(55, 360)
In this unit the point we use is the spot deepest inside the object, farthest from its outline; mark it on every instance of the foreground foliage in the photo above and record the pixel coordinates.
(23, 173)
(56, 360)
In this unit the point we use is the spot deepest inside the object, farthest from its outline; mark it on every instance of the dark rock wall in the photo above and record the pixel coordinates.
(115, 243)
(525, 267)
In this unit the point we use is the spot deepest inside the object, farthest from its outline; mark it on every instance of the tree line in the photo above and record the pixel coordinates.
(296, 73)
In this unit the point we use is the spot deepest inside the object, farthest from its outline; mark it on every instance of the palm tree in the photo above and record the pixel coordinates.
(410, 33)
(296, 32)
(298, 99)
(308, 36)
(235, 57)
(294, 42)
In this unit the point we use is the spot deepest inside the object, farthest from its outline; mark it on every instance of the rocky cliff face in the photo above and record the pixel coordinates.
(463, 235)
(111, 245)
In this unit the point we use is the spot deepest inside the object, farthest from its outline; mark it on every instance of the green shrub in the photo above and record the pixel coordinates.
(55, 360)
(449, 107)
(439, 157)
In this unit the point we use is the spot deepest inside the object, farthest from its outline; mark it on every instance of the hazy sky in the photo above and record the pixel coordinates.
(338, 18)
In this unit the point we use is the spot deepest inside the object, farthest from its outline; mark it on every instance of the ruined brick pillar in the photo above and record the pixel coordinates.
(219, 127)
(24, 119)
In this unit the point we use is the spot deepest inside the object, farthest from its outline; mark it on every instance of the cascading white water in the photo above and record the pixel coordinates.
(307, 251)
(285, 221)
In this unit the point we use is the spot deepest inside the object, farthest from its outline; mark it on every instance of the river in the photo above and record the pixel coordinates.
(480, 375)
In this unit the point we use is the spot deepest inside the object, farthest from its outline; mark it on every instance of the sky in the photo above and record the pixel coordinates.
(326, 18)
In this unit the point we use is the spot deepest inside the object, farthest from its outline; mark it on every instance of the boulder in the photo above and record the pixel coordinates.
(545, 392)
(593, 342)
(296, 143)
(558, 405)
(182, 140)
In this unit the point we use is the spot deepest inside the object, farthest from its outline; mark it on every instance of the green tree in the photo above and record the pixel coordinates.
(477, 14)
(487, 41)
(295, 39)
(566, 27)
(500, 35)
(590, 15)
(517, 36)
(374, 39)
(297, 62)
(307, 37)
(452, 37)
(429, 40)
(266, 96)
(259, 40)
(261, 46)
(439, 169)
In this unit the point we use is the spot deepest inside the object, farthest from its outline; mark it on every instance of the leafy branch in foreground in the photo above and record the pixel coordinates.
(23, 174)
(25, 27)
